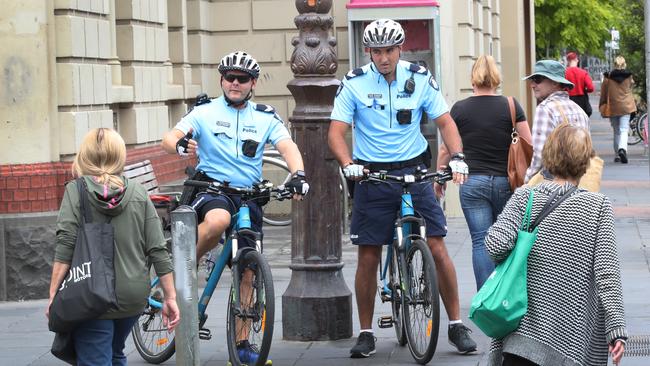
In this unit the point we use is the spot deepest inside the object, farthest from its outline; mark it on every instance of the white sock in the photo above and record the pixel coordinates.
(453, 322)
(366, 331)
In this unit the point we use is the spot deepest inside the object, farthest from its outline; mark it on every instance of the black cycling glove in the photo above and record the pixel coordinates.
(298, 184)
(182, 144)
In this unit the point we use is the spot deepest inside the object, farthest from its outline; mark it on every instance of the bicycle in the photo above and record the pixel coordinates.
(253, 315)
(407, 277)
(638, 129)
(276, 213)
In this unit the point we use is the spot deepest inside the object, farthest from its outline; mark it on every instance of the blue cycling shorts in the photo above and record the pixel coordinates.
(205, 202)
(376, 205)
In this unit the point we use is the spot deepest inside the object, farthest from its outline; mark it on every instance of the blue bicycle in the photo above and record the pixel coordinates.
(251, 308)
(407, 276)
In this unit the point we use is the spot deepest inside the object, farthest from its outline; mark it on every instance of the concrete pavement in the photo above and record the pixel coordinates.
(25, 340)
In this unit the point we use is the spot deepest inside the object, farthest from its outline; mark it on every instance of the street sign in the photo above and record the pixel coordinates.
(615, 38)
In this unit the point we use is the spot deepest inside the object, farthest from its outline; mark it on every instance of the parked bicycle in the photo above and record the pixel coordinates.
(638, 129)
(407, 276)
(279, 213)
(274, 168)
(251, 309)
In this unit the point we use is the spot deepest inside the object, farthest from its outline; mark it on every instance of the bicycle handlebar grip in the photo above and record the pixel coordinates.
(197, 183)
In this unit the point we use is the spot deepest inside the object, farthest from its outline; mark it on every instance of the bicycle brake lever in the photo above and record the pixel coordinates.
(444, 176)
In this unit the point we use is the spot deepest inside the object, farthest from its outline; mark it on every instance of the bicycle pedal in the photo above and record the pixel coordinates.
(385, 321)
(205, 334)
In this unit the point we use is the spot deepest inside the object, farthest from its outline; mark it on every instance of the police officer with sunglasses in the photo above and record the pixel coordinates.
(228, 134)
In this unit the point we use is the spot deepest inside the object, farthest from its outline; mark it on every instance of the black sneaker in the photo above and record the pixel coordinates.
(459, 337)
(623, 155)
(365, 346)
(617, 159)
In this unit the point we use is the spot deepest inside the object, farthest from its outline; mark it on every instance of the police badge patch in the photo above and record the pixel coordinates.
(433, 83)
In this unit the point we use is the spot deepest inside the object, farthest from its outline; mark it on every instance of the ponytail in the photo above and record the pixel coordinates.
(102, 155)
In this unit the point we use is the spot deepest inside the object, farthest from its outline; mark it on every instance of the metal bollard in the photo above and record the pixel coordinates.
(184, 235)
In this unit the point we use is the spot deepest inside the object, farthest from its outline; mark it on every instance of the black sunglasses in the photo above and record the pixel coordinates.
(537, 79)
(242, 79)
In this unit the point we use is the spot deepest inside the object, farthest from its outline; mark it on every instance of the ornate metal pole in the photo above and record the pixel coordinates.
(317, 304)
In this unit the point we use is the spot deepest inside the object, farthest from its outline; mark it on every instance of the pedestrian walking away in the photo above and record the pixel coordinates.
(138, 239)
(485, 126)
(386, 99)
(575, 312)
(617, 99)
(550, 89)
(229, 134)
(582, 83)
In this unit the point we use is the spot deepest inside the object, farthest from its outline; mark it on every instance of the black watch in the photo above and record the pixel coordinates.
(299, 173)
(458, 156)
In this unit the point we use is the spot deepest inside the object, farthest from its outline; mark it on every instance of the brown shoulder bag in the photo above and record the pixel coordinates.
(520, 153)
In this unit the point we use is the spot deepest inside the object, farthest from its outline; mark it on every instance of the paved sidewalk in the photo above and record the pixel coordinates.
(24, 339)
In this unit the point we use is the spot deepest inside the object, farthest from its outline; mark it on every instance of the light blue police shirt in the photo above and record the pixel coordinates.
(221, 132)
(365, 97)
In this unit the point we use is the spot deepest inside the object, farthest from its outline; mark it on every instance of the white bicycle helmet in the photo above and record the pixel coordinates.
(240, 61)
(383, 33)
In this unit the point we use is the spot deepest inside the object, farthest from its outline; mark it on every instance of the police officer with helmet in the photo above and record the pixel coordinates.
(385, 100)
(229, 133)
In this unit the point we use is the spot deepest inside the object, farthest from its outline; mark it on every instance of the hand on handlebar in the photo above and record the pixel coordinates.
(353, 171)
(459, 168)
(298, 186)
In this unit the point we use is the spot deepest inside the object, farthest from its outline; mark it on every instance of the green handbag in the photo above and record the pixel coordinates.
(500, 304)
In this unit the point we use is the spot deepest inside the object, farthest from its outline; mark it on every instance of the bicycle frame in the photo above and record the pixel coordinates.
(241, 224)
(406, 221)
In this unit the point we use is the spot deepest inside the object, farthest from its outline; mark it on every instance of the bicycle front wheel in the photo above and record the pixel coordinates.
(252, 320)
(396, 299)
(421, 302)
(152, 341)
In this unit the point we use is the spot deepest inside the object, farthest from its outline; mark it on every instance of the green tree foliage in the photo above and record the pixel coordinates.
(632, 44)
(581, 25)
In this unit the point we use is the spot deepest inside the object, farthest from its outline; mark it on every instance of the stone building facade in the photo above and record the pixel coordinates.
(136, 65)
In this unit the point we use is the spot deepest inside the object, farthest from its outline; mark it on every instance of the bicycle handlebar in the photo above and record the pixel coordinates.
(440, 177)
(280, 192)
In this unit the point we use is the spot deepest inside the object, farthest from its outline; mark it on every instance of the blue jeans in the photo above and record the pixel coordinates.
(482, 198)
(100, 342)
(620, 125)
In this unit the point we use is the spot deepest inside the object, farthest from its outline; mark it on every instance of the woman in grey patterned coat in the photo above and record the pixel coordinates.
(575, 302)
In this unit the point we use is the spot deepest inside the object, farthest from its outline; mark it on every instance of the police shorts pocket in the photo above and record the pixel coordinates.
(249, 148)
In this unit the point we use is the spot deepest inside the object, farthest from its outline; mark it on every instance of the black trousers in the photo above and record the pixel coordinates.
(513, 360)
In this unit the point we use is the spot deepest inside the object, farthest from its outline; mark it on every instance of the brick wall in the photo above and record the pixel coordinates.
(32, 187)
(26, 188)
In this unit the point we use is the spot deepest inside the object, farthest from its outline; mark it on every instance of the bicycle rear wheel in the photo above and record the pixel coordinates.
(421, 304)
(276, 213)
(634, 134)
(254, 321)
(152, 341)
(396, 299)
